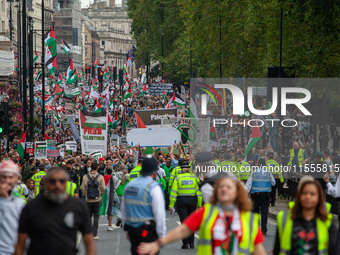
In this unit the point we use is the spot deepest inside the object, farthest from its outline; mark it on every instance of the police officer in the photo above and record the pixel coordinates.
(207, 171)
(274, 168)
(243, 168)
(227, 164)
(38, 176)
(260, 184)
(176, 171)
(216, 160)
(71, 189)
(143, 206)
(22, 190)
(185, 189)
(136, 171)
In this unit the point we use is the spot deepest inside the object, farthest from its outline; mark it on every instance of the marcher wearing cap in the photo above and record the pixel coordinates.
(11, 205)
(38, 176)
(276, 170)
(143, 207)
(205, 168)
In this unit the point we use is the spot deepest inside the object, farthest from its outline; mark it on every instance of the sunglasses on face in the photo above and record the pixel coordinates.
(54, 181)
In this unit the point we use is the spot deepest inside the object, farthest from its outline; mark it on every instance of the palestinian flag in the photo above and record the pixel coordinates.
(109, 121)
(140, 123)
(253, 140)
(66, 47)
(127, 94)
(177, 100)
(97, 107)
(51, 51)
(143, 91)
(111, 105)
(35, 57)
(106, 73)
(126, 86)
(22, 146)
(76, 74)
(70, 74)
(96, 63)
(213, 131)
(58, 89)
(60, 79)
(37, 78)
(47, 137)
(115, 123)
(163, 96)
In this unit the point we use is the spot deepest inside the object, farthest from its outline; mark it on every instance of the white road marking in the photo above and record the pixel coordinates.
(196, 236)
(272, 222)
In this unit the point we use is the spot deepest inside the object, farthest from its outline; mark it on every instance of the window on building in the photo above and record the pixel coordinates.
(3, 7)
(103, 43)
(85, 38)
(85, 52)
(3, 26)
(75, 36)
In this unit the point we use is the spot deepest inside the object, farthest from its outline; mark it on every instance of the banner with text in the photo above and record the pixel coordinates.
(154, 116)
(40, 150)
(157, 89)
(93, 131)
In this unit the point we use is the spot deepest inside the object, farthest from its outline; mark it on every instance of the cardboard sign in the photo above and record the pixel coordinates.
(29, 148)
(52, 150)
(154, 116)
(71, 146)
(40, 150)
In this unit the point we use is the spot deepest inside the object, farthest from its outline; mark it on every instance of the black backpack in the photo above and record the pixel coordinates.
(92, 189)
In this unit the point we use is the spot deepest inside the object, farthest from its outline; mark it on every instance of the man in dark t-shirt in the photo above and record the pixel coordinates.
(52, 220)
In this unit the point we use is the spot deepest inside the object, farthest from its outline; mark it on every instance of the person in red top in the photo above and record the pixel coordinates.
(226, 225)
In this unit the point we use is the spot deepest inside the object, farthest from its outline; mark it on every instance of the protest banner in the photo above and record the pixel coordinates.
(69, 106)
(52, 150)
(40, 150)
(154, 137)
(71, 92)
(154, 116)
(29, 148)
(157, 89)
(93, 131)
(71, 146)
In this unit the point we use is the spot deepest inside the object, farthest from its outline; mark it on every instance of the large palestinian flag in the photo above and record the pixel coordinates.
(253, 140)
(51, 51)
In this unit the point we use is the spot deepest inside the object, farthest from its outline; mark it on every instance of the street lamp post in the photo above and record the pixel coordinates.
(120, 61)
(161, 7)
(43, 63)
(31, 81)
(24, 60)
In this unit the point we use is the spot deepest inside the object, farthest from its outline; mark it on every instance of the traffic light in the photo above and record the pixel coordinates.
(2, 120)
(121, 75)
(100, 74)
(114, 73)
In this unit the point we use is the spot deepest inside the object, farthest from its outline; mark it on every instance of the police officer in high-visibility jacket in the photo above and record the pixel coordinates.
(216, 160)
(22, 190)
(260, 184)
(227, 164)
(176, 171)
(297, 156)
(274, 168)
(38, 176)
(136, 171)
(186, 191)
(71, 189)
(243, 168)
(143, 206)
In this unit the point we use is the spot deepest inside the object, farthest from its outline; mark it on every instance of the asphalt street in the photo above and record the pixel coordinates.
(115, 242)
